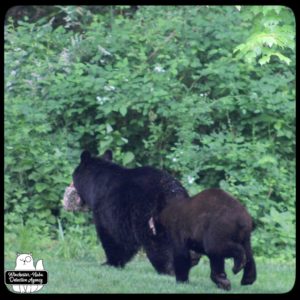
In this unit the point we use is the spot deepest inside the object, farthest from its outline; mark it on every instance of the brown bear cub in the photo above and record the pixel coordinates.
(215, 224)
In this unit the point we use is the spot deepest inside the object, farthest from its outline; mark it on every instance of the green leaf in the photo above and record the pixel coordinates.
(265, 59)
(123, 110)
(128, 157)
(41, 187)
(108, 128)
(282, 57)
(267, 159)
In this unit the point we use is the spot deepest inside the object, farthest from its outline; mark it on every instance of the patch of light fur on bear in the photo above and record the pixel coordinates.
(152, 226)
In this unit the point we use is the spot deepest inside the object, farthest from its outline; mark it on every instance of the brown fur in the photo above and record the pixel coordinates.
(215, 224)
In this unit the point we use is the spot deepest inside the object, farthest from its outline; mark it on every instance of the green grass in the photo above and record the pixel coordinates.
(79, 276)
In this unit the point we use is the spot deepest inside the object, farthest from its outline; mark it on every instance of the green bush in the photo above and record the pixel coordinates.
(160, 86)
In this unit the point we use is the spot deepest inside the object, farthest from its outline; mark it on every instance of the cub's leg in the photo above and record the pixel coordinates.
(249, 275)
(218, 275)
(182, 264)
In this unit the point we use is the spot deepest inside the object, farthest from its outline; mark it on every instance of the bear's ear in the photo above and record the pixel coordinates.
(108, 155)
(85, 156)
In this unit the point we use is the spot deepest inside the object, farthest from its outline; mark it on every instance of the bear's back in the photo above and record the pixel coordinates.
(157, 181)
(216, 199)
(221, 207)
(100, 182)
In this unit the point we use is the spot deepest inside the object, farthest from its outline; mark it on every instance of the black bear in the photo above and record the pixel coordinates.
(215, 224)
(122, 201)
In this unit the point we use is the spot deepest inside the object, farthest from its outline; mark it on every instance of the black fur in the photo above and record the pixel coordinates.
(212, 223)
(122, 201)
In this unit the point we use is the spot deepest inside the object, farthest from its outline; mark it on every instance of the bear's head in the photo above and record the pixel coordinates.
(86, 156)
(74, 197)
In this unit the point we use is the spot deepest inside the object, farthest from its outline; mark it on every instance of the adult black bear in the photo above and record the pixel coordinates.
(212, 223)
(122, 201)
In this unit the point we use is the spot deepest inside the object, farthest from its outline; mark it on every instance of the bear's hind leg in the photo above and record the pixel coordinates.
(249, 275)
(224, 247)
(218, 275)
(236, 251)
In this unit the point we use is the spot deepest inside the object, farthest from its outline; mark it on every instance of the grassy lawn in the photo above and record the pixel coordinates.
(138, 276)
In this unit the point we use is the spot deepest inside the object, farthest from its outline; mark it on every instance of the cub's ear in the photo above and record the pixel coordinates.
(85, 156)
(108, 155)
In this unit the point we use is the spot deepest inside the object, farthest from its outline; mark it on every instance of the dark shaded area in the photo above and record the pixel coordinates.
(82, 13)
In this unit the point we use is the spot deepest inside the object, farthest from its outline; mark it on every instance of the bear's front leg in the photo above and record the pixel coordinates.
(182, 264)
(117, 254)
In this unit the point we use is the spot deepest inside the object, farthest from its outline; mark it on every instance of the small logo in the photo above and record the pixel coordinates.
(26, 278)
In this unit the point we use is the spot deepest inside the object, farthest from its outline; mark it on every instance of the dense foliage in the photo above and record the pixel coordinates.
(160, 86)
